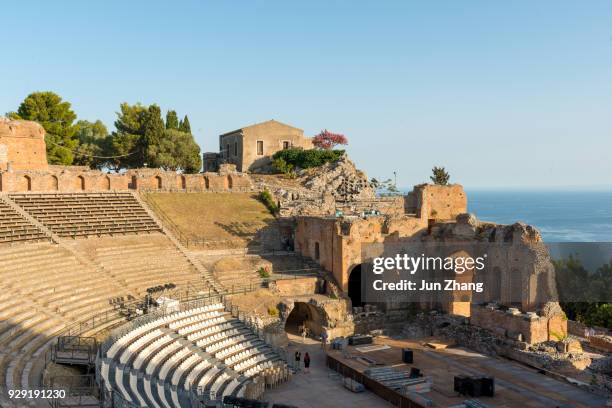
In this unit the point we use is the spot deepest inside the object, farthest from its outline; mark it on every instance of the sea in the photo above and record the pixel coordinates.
(560, 216)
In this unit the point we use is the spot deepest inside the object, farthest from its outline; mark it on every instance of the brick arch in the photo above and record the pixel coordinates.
(229, 182)
(79, 183)
(107, 183)
(206, 183)
(461, 300)
(24, 183)
(158, 182)
(183, 182)
(54, 182)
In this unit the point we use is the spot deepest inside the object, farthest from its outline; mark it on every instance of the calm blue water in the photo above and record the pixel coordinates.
(560, 216)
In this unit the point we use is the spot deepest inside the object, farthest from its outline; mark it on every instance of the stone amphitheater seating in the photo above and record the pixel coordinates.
(47, 287)
(15, 228)
(203, 350)
(85, 214)
(139, 263)
(43, 291)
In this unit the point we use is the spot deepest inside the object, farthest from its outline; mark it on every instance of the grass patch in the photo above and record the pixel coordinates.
(214, 217)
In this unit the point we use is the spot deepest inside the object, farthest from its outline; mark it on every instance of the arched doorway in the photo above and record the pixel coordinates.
(26, 184)
(304, 315)
(80, 183)
(158, 181)
(463, 275)
(54, 183)
(354, 286)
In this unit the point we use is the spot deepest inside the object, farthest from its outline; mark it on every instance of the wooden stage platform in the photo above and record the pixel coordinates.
(515, 385)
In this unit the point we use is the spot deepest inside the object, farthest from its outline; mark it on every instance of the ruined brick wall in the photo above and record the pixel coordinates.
(528, 327)
(438, 202)
(22, 145)
(339, 240)
(77, 178)
(297, 287)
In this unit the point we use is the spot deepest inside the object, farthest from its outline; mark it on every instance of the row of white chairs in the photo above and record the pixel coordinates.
(236, 358)
(222, 326)
(226, 343)
(184, 331)
(150, 350)
(134, 347)
(139, 331)
(160, 355)
(233, 345)
(249, 362)
(173, 361)
(211, 339)
(195, 318)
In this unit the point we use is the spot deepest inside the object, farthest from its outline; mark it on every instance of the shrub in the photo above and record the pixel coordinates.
(263, 272)
(281, 166)
(273, 311)
(304, 159)
(266, 198)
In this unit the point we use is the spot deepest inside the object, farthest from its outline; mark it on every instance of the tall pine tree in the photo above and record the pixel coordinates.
(172, 121)
(184, 126)
(57, 118)
(153, 134)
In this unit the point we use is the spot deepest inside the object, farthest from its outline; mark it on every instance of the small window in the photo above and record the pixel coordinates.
(260, 147)
(235, 148)
(286, 145)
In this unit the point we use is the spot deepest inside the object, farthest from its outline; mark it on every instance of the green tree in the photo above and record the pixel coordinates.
(153, 132)
(440, 176)
(184, 126)
(94, 140)
(179, 151)
(172, 121)
(127, 140)
(57, 118)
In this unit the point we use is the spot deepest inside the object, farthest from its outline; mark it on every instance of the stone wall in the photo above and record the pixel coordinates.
(510, 323)
(437, 202)
(78, 178)
(22, 145)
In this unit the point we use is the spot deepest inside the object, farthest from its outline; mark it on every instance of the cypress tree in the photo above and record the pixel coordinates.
(184, 126)
(172, 121)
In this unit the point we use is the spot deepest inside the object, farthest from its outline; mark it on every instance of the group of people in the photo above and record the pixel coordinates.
(298, 358)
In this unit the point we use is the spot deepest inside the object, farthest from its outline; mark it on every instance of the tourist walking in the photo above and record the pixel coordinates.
(298, 356)
(306, 363)
(323, 340)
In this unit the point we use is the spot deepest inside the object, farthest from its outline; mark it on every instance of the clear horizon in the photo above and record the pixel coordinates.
(515, 95)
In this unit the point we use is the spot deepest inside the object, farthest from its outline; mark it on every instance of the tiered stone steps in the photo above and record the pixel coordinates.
(14, 228)
(87, 214)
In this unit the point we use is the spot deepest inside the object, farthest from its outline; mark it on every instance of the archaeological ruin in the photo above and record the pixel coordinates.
(103, 285)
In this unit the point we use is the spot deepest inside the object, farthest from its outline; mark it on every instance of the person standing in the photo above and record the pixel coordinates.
(323, 340)
(298, 357)
(307, 363)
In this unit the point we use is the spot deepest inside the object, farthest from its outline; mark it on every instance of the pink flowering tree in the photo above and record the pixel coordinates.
(327, 140)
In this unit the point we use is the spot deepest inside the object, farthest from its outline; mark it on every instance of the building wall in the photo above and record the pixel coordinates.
(22, 145)
(273, 134)
(234, 154)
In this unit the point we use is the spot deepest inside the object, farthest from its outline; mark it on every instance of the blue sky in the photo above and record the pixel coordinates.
(503, 94)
